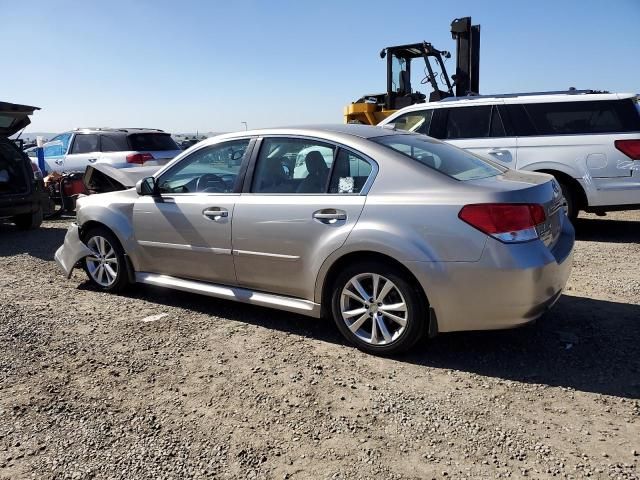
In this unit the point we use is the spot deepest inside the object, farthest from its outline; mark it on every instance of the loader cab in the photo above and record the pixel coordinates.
(400, 92)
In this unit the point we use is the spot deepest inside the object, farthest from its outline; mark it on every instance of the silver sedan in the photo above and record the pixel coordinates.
(395, 235)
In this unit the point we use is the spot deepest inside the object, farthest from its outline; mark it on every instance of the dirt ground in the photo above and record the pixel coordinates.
(91, 387)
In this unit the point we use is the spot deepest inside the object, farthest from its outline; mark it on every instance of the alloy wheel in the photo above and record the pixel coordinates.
(103, 264)
(373, 309)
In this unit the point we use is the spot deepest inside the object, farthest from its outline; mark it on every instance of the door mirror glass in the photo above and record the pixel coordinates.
(4, 176)
(146, 186)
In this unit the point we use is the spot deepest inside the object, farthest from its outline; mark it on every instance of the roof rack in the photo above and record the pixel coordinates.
(110, 129)
(571, 91)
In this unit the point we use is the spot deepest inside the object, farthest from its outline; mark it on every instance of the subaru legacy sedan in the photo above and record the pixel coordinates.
(395, 235)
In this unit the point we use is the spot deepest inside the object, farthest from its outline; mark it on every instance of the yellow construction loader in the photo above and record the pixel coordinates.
(372, 109)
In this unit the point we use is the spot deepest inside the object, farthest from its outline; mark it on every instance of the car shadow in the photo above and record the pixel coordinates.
(40, 243)
(605, 230)
(582, 343)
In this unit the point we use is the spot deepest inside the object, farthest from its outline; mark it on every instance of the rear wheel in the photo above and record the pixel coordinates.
(29, 221)
(376, 309)
(106, 266)
(571, 201)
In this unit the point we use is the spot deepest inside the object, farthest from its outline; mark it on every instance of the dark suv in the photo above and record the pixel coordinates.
(23, 198)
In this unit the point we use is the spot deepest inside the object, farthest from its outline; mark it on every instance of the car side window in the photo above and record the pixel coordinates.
(109, 143)
(293, 165)
(57, 146)
(350, 173)
(85, 143)
(497, 127)
(212, 169)
(417, 122)
(468, 122)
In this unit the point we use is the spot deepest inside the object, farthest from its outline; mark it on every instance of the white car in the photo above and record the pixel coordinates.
(590, 141)
(118, 147)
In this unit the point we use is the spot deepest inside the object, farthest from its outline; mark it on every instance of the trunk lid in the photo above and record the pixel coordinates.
(528, 187)
(14, 117)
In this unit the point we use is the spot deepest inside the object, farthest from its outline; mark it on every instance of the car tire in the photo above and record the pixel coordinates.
(570, 199)
(29, 221)
(107, 268)
(371, 325)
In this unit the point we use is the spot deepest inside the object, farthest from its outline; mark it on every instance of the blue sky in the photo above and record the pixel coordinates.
(209, 65)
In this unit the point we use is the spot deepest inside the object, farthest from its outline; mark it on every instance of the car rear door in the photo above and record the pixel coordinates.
(478, 128)
(285, 227)
(185, 231)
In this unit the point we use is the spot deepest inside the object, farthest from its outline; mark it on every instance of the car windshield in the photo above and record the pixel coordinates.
(453, 162)
(152, 142)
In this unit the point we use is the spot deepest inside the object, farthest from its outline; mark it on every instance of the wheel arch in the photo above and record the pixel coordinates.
(91, 224)
(576, 188)
(325, 283)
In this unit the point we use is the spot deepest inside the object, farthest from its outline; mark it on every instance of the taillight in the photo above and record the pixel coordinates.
(139, 158)
(507, 222)
(631, 148)
(37, 173)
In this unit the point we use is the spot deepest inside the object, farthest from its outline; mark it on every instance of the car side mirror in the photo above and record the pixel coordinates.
(147, 186)
(4, 176)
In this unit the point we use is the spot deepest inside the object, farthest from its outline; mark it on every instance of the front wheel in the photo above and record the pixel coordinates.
(106, 266)
(376, 309)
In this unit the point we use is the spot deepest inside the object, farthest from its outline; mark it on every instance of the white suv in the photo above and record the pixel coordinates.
(118, 147)
(590, 141)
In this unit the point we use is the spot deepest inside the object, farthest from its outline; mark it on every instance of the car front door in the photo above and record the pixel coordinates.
(185, 230)
(478, 129)
(288, 221)
(55, 152)
(85, 150)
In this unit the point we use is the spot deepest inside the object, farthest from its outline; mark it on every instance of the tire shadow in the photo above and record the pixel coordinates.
(582, 343)
(607, 230)
(40, 243)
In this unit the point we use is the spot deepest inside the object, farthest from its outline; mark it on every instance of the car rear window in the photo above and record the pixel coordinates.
(152, 142)
(447, 159)
(583, 117)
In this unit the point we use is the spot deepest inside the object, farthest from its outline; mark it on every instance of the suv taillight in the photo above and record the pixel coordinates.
(507, 222)
(37, 173)
(631, 148)
(139, 158)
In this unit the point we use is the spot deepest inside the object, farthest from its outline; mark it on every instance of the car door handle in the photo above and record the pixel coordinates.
(215, 213)
(329, 215)
(498, 151)
(92, 160)
(59, 161)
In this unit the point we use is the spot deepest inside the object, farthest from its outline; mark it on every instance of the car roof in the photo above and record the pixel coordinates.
(350, 129)
(526, 97)
(116, 130)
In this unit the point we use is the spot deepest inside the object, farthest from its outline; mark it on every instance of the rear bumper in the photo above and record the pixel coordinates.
(72, 251)
(509, 286)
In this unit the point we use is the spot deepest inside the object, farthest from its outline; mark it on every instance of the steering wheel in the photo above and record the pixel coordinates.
(204, 182)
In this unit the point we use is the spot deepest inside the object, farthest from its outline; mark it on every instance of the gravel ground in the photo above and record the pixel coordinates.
(161, 384)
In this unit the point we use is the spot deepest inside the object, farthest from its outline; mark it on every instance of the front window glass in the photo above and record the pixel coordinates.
(58, 145)
(417, 122)
(290, 165)
(212, 169)
(452, 161)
